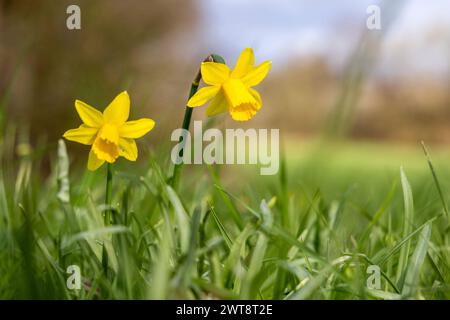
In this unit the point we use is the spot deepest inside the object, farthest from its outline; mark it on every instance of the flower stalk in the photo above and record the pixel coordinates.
(175, 177)
(107, 215)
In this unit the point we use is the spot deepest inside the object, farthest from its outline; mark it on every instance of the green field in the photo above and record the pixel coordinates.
(308, 233)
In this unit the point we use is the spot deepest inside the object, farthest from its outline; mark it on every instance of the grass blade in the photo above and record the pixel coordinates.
(436, 181)
(407, 225)
(416, 262)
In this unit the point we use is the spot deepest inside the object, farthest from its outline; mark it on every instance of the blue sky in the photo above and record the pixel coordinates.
(280, 29)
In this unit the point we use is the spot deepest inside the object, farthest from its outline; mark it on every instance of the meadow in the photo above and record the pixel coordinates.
(309, 232)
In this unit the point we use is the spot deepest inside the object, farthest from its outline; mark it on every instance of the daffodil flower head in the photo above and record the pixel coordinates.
(109, 133)
(232, 90)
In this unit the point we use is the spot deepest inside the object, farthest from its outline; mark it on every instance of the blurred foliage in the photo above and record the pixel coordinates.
(153, 50)
(122, 45)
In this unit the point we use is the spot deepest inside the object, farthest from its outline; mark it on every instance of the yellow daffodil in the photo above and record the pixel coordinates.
(232, 90)
(109, 133)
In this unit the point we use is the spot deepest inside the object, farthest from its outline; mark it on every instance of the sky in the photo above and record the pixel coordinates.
(419, 37)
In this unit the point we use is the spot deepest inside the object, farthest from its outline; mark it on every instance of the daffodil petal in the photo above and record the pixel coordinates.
(83, 134)
(217, 105)
(128, 149)
(93, 161)
(89, 115)
(257, 97)
(118, 110)
(214, 73)
(244, 63)
(202, 96)
(136, 129)
(257, 74)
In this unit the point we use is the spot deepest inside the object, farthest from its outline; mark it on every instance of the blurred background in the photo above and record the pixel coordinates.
(331, 75)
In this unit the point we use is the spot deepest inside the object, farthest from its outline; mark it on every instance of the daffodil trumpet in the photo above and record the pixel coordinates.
(110, 136)
(174, 179)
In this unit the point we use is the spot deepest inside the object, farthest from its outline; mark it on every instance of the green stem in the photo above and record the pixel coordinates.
(108, 196)
(175, 178)
(107, 216)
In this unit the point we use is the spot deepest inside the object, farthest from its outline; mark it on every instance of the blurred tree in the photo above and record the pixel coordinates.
(130, 45)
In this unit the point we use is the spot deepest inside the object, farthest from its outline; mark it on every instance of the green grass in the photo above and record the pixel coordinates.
(308, 233)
